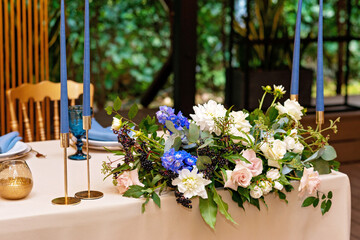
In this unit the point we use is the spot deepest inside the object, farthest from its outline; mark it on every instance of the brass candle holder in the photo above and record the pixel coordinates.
(320, 119)
(88, 194)
(66, 200)
(294, 97)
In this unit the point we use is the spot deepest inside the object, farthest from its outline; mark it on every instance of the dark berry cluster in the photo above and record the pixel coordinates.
(236, 148)
(186, 202)
(127, 142)
(208, 171)
(169, 176)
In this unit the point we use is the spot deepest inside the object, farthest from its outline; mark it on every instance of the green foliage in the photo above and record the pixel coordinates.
(222, 206)
(314, 201)
(208, 209)
(134, 191)
(133, 111)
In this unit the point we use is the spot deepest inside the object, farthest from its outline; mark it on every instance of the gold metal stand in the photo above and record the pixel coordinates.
(89, 194)
(294, 97)
(320, 118)
(64, 143)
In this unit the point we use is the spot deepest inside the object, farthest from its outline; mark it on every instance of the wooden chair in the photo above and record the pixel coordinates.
(38, 92)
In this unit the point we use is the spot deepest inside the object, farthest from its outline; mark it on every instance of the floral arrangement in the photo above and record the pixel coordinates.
(250, 154)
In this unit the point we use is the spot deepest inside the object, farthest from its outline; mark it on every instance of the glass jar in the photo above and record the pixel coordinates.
(15, 179)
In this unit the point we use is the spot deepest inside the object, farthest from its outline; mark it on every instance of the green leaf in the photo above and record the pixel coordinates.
(323, 206)
(194, 132)
(201, 161)
(208, 209)
(108, 110)
(222, 206)
(156, 199)
(153, 128)
(282, 196)
(330, 194)
(177, 143)
(329, 153)
(273, 113)
(316, 202)
(327, 206)
(117, 104)
(322, 166)
(255, 202)
(144, 204)
(237, 198)
(157, 178)
(133, 111)
(323, 196)
(170, 125)
(134, 191)
(308, 201)
(244, 192)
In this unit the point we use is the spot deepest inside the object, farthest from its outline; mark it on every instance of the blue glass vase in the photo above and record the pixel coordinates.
(76, 128)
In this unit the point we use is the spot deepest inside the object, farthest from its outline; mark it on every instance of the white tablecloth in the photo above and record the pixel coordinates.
(116, 217)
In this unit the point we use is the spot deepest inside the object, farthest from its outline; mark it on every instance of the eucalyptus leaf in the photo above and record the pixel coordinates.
(170, 125)
(316, 155)
(169, 143)
(329, 153)
(201, 161)
(177, 143)
(207, 142)
(194, 132)
(322, 166)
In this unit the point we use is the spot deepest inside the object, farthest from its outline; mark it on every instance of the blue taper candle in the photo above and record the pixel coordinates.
(86, 76)
(64, 118)
(320, 74)
(294, 89)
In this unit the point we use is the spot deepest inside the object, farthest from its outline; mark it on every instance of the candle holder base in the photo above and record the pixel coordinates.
(86, 195)
(66, 201)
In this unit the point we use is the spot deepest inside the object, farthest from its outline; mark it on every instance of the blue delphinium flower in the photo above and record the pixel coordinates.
(177, 160)
(168, 114)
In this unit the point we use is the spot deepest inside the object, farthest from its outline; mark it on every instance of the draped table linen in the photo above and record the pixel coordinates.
(117, 217)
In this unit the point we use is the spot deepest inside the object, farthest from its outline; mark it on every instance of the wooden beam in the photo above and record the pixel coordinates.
(185, 41)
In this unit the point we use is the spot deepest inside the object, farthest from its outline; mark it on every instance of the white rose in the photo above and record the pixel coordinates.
(278, 149)
(116, 124)
(273, 174)
(291, 108)
(268, 153)
(298, 148)
(266, 186)
(240, 122)
(278, 186)
(256, 192)
(290, 143)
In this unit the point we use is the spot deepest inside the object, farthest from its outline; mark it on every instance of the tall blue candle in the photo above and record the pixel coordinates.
(86, 95)
(320, 74)
(64, 118)
(294, 89)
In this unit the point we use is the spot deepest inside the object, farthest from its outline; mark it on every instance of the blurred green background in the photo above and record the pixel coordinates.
(130, 41)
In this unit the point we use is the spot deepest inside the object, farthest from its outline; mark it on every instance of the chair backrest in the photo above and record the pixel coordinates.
(38, 92)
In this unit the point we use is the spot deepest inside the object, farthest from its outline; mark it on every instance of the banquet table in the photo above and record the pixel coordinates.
(117, 217)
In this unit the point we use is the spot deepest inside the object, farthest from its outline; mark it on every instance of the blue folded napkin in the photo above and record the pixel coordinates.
(8, 141)
(99, 133)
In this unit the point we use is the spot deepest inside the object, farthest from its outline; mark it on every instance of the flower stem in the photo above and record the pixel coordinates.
(262, 100)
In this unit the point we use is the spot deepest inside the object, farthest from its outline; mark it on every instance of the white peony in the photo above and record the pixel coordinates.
(206, 115)
(191, 183)
(278, 185)
(290, 143)
(298, 148)
(265, 186)
(116, 124)
(273, 174)
(292, 108)
(256, 192)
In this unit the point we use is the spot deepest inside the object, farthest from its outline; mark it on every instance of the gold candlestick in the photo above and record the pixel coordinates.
(88, 194)
(320, 118)
(64, 143)
(294, 97)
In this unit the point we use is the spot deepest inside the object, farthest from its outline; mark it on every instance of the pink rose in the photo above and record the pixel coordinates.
(255, 166)
(240, 176)
(127, 179)
(310, 181)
